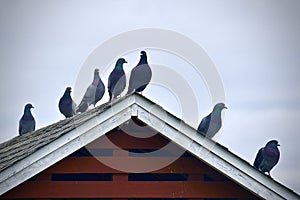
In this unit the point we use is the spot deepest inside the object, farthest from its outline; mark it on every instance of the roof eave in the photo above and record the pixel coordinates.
(157, 118)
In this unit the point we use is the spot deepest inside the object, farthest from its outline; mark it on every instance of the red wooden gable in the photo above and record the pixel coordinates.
(82, 175)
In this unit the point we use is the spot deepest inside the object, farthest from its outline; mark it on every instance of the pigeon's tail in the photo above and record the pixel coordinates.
(258, 159)
(83, 106)
(110, 95)
(74, 111)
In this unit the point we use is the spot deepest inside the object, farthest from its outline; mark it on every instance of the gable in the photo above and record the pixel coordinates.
(84, 175)
(72, 134)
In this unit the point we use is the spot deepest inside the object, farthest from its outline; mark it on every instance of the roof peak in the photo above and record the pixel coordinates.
(48, 145)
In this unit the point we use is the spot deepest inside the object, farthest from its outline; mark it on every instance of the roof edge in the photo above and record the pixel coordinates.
(156, 117)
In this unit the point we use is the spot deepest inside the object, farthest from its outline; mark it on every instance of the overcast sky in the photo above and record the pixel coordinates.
(254, 45)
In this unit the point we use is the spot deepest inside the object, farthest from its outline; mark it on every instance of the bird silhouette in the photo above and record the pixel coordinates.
(27, 122)
(212, 123)
(93, 93)
(140, 75)
(66, 105)
(117, 80)
(267, 157)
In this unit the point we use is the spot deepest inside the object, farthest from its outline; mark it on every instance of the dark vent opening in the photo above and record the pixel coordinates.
(187, 155)
(32, 178)
(81, 177)
(92, 152)
(210, 178)
(157, 177)
(152, 152)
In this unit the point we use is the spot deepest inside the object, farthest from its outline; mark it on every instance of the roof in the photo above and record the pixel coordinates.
(25, 156)
(22, 146)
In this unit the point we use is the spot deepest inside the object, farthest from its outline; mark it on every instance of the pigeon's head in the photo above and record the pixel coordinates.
(143, 53)
(121, 61)
(273, 143)
(143, 59)
(28, 106)
(96, 76)
(68, 90)
(220, 106)
(119, 64)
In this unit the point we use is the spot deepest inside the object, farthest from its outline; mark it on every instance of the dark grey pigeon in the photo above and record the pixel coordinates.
(93, 93)
(212, 123)
(66, 105)
(140, 75)
(27, 122)
(267, 157)
(117, 80)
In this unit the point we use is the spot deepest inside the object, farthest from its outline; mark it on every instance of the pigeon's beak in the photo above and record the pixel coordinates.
(125, 61)
(225, 107)
(278, 144)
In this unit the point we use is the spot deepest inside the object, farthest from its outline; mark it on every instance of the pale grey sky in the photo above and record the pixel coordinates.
(255, 46)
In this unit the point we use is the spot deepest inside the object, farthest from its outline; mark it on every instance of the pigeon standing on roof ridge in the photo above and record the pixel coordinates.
(27, 122)
(66, 104)
(117, 80)
(140, 75)
(267, 157)
(212, 123)
(93, 93)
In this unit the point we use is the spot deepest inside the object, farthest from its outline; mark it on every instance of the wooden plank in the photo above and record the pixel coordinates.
(94, 165)
(122, 176)
(135, 189)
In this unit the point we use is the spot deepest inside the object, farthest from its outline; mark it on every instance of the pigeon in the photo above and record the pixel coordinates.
(66, 105)
(140, 75)
(267, 157)
(117, 80)
(27, 122)
(93, 93)
(212, 123)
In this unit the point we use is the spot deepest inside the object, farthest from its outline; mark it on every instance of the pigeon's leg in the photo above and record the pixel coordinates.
(88, 108)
